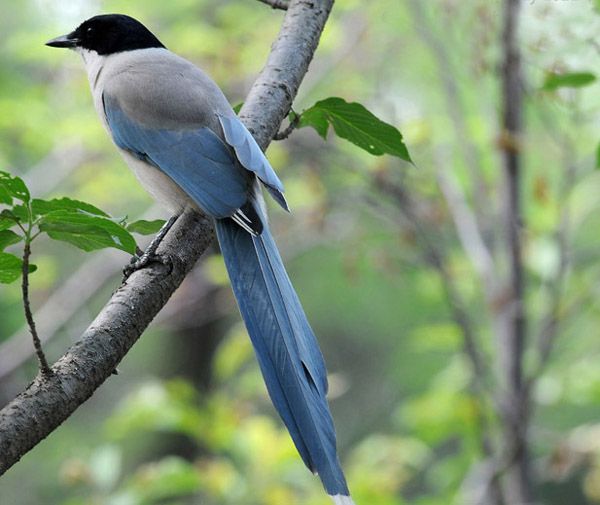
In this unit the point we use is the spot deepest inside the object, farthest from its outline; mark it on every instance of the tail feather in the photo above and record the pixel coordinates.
(285, 345)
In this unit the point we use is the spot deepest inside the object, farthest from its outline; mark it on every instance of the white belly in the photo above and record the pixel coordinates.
(160, 186)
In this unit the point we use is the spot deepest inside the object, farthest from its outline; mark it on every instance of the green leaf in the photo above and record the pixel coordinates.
(353, 122)
(236, 108)
(16, 213)
(144, 227)
(42, 207)
(5, 197)
(8, 237)
(597, 156)
(6, 221)
(14, 187)
(568, 80)
(86, 231)
(10, 268)
(315, 117)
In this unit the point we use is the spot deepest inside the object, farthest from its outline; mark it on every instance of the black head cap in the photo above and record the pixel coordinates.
(108, 34)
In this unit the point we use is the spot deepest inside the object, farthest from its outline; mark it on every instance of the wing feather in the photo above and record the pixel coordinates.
(196, 159)
(251, 156)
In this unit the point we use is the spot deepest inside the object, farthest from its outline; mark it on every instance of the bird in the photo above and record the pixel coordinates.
(178, 133)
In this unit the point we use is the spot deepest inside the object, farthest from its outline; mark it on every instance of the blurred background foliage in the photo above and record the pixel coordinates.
(187, 420)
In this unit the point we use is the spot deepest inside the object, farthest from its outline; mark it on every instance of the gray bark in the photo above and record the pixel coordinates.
(49, 401)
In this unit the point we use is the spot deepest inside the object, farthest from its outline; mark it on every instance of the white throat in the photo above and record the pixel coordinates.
(94, 64)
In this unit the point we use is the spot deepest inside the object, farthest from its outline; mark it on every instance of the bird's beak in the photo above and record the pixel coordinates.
(69, 41)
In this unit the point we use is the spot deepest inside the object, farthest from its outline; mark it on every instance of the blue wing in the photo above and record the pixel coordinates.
(251, 156)
(196, 159)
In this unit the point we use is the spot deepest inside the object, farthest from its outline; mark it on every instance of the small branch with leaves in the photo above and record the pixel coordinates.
(351, 121)
(78, 223)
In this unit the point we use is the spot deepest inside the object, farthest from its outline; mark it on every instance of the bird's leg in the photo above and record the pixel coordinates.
(149, 255)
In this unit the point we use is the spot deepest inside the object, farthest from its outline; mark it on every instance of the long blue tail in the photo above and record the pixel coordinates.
(286, 348)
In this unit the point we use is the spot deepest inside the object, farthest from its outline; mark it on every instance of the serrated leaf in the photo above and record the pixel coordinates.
(8, 237)
(353, 122)
(87, 232)
(144, 227)
(10, 268)
(41, 207)
(14, 187)
(568, 80)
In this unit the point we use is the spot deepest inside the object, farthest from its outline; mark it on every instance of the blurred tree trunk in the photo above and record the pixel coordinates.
(515, 399)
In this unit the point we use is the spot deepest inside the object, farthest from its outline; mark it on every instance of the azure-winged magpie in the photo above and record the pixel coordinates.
(178, 133)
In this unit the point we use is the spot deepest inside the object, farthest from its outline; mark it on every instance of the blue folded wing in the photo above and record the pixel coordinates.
(251, 156)
(196, 159)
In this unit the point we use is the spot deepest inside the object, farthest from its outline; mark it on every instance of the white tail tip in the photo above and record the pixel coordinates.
(341, 499)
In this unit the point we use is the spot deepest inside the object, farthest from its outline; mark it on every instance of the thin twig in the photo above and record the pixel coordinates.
(276, 4)
(468, 232)
(455, 105)
(285, 133)
(549, 327)
(44, 368)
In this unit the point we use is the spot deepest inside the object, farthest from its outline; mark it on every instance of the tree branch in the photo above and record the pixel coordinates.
(47, 402)
(270, 99)
(276, 4)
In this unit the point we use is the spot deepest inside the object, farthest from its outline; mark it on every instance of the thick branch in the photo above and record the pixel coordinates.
(270, 99)
(47, 402)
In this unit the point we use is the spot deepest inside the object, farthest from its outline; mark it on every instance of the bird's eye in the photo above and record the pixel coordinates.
(89, 31)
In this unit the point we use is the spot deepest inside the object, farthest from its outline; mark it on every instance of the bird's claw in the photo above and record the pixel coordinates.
(138, 262)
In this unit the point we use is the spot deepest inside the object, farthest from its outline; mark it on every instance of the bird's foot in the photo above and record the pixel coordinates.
(141, 260)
